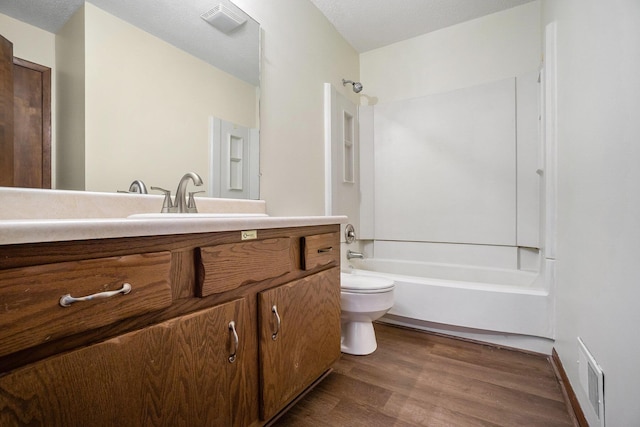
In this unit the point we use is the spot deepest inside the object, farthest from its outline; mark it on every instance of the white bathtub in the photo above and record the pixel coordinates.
(489, 299)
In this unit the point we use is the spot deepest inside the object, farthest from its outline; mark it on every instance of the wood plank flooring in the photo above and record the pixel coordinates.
(421, 379)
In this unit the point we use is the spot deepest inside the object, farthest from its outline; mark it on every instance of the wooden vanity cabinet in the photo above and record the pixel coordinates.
(167, 357)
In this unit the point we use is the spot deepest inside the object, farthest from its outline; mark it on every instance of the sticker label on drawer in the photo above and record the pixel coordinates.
(249, 234)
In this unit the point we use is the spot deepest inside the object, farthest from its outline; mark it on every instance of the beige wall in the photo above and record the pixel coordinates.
(148, 106)
(35, 45)
(598, 292)
(29, 42)
(70, 129)
(301, 52)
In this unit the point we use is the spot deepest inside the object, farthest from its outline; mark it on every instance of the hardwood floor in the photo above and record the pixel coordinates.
(422, 379)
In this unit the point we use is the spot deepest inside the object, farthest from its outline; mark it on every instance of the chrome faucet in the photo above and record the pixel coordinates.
(181, 193)
(179, 203)
(138, 186)
(352, 254)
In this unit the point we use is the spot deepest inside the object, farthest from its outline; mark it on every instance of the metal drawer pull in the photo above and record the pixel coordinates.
(67, 300)
(274, 310)
(324, 250)
(232, 328)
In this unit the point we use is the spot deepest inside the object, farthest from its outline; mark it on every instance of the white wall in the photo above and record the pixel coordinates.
(494, 47)
(598, 288)
(301, 52)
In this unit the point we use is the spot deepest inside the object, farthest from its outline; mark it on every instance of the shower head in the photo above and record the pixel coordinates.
(357, 86)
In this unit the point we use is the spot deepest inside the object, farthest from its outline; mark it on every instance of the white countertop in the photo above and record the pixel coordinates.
(54, 230)
(33, 215)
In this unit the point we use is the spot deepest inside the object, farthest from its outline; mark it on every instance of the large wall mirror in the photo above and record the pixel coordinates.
(143, 89)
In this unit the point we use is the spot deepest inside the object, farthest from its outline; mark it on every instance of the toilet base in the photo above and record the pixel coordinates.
(358, 338)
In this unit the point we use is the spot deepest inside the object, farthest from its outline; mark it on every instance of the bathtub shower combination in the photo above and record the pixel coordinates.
(455, 202)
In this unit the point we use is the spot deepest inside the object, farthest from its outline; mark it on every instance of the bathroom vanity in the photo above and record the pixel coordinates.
(221, 327)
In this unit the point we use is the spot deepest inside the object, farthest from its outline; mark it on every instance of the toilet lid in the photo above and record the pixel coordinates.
(365, 284)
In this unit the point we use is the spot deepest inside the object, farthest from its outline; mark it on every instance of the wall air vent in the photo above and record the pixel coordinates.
(592, 382)
(223, 18)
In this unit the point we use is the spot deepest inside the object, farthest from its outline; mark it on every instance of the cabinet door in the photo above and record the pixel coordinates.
(175, 373)
(302, 341)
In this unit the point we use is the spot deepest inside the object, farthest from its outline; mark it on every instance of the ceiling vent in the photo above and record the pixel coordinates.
(223, 18)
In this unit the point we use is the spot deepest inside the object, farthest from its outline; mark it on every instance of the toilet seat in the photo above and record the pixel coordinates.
(365, 284)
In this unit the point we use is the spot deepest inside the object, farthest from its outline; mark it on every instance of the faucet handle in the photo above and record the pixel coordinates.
(167, 205)
(191, 204)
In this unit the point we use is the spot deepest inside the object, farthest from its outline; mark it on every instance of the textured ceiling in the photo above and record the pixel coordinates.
(370, 24)
(176, 22)
(49, 15)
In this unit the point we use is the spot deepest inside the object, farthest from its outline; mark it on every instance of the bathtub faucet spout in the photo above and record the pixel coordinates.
(351, 254)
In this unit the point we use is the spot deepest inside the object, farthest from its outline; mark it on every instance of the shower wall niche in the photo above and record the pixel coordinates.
(348, 148)
(234, 156)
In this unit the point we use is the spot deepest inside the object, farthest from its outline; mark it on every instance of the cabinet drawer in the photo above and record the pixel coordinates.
(32, 313)
(226, 267)
(319, 250)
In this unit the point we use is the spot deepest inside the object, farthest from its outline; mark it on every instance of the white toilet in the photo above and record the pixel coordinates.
(363, 299)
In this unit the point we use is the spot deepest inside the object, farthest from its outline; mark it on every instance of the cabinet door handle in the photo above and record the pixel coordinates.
(274, 310)
(67, 300)
(234, 334)
(325, 250)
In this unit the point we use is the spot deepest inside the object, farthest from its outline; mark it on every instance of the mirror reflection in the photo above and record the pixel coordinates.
(149, 90)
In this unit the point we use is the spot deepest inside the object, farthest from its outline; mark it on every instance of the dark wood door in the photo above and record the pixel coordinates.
(32, 124)
(307, 336)
(25, 121)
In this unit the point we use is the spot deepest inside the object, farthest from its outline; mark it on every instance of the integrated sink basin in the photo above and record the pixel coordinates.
(195, 215)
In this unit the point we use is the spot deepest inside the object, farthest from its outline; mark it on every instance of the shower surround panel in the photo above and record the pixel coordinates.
(445, 166)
